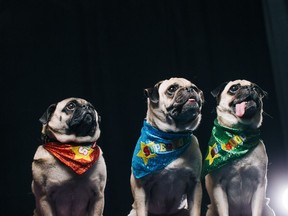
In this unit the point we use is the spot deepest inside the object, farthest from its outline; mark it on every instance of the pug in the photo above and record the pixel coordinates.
(235, 166)
(68, 169)
(167, 162)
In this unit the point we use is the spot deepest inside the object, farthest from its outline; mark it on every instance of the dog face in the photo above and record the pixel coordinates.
(174, 105)
(239, 102)
(71, 120)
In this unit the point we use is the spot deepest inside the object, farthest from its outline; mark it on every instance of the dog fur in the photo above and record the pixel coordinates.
(174, 106)
(239, 187)
(58, 190)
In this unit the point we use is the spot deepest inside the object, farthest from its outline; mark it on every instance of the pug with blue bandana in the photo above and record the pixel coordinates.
(235, 166)
(68, 168)
(167, 162)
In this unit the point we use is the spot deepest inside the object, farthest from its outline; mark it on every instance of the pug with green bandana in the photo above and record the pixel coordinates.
(235, 165)
(166, 163)
(68, 168)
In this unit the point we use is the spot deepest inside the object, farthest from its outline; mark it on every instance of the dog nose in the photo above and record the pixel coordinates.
(85, 106)
(191, 89)
(248, 88)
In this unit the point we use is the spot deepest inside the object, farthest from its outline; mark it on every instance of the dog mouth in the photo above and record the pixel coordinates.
(188, 103)
(245, 108)
(83, 125)
(185, 110)
(191, 101)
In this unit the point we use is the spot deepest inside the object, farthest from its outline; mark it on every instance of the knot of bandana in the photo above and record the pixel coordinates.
(155, 149)
(78, 158)
(228, 144)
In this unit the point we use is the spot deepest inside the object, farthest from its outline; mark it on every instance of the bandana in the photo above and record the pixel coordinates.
(155, 149)
(228, 144)
(78, 158)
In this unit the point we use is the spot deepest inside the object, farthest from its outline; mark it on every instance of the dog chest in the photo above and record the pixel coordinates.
(168, 189)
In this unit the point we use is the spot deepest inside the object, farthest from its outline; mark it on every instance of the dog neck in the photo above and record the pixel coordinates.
(169, 125)
(228, 144)
(46, 139)
(155, 149)
(77, 157)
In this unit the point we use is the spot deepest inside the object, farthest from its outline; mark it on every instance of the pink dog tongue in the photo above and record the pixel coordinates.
(240, 109)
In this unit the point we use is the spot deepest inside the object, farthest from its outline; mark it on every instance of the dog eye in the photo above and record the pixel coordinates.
(234, 88)
(71, 106)
(172, 89)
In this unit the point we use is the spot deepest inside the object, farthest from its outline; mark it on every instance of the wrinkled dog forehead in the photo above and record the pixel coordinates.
(173, 81)
(237, 82)
(60, 106)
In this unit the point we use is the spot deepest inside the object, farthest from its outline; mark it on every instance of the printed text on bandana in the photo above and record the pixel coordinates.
(156, 149)
(151, 149)
(214, 150)
(78, 158)
(227, 145)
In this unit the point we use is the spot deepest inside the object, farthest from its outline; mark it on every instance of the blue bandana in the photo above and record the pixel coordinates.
(155, 149)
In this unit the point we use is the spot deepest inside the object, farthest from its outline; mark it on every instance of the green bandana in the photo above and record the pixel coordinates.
(228, 144)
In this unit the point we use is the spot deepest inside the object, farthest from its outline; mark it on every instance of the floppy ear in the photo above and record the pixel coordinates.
(216, 91)
(264, 93)
(153, 93)
(46, 116)
(261, 91)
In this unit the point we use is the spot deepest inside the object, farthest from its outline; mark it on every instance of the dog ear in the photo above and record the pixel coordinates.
(153, 93)
(264, 93)
(46, 116)
(260, 91)
(216, 91)
(202, 95)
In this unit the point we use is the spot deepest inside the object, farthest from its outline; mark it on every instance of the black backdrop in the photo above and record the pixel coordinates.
(109, 51)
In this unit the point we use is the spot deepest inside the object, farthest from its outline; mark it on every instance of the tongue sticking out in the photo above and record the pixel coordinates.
(240, 109)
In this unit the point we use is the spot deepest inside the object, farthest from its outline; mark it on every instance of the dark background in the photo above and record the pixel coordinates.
(108, 51)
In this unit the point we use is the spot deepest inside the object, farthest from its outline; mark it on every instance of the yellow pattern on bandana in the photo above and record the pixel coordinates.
(78, 158)
(228, 144)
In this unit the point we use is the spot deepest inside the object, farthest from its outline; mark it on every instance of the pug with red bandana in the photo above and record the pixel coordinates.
(166, 164)
(235, 165)
(68, 169)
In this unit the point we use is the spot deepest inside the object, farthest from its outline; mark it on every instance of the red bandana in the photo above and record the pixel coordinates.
(78, 158)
